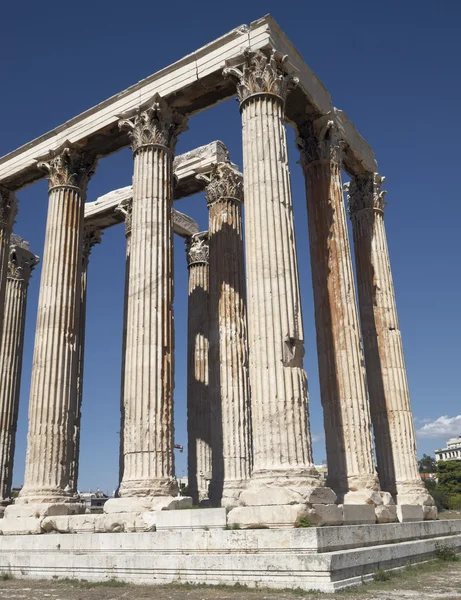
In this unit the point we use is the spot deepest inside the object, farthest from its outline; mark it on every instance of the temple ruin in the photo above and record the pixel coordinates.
(249, 446)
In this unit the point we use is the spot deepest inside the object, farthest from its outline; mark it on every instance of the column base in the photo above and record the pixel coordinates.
(146, 504)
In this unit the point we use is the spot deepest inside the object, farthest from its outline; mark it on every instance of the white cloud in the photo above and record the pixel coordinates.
(318, 437)
(443, 427)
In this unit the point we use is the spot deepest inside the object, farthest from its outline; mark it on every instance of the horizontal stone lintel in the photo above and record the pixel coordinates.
(192, 84)
(102, 213)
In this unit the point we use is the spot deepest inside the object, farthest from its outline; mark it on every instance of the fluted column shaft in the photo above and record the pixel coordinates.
(148, 442)
(21, 264)
(90, 238)
(385, 365)
(281, 437)
(198, 402)
(341, 366)
(229, 386)
(8, 210)
(126, 210)
(54, 394)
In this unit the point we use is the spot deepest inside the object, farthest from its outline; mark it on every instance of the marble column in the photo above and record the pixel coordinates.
(54, 393)
(198, 401)
(21, 265)
(343, 389)
(229, 386)
(91, 237)
(148, 386)
(385, 365)
(282, 451)
(126, 209)
(8, 210)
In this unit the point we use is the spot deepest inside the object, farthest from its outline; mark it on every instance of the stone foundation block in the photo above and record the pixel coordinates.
(267, 496)
(82, 523)
(20, 526)
(266, 516)
(406, 513)
(387, 499)
(359, 514)
(145, 521)
(55, 524)
(386, 513)
(38, 510)
(206, 518)
(319, 495)
(325, 514)
(430, 512)
(127, 505)
(169, 503)
(363, 497)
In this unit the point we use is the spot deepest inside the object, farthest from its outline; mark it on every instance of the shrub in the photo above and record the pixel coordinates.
(381, 575)
(454, 502)
(303, 521)
(445, 553)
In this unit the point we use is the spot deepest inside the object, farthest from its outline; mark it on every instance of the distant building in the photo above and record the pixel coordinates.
(451, 452)
(93, 501)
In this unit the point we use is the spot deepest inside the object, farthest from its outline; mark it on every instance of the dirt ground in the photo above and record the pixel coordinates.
(432, 581)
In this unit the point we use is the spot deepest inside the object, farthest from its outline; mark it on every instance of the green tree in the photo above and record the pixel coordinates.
(449, 475)
(427, 464)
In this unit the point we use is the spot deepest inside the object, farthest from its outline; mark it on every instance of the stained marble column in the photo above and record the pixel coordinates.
(20, 267)
(279, 397)
(126, 209)
(385, 364)
(343, 389)
(229, 385)
(54, 387)
(91, 237)
(198, 401)
(8, 210)
(148, 385)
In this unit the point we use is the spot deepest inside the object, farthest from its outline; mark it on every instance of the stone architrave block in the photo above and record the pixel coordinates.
(266, 516)
(359, 514)
(202, 518)
(325, 514)
(20, 526)
(386, 513)
(408, 512)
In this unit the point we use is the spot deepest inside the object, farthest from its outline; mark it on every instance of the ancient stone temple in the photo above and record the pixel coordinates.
(250, 462)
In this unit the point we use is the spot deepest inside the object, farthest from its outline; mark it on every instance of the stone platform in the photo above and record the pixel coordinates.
(317, 558)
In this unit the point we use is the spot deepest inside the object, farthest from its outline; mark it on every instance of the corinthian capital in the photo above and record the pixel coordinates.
(197, 249)
(68, 166)
(224, 181)
(22, 261)
(158, 124)
(91, 237)
(321, 140)
(126, 209)
(262, 74)
(365, 192)
(8, 208)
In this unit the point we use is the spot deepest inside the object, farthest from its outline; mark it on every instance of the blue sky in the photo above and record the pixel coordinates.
(392, 66)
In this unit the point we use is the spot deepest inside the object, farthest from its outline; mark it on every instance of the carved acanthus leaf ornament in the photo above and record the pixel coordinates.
(91, 237)
(197, 249)
(224, 181)
(8, 208)
(68, 166)
(262, 74)
(157, 125)
(321, 141)
(365, 192)
(22, 262)
(126, 209)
